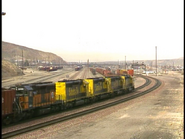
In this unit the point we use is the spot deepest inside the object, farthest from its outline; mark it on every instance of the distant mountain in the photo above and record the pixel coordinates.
(12, 52)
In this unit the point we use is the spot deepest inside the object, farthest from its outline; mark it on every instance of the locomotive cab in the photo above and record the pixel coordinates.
(24, 97)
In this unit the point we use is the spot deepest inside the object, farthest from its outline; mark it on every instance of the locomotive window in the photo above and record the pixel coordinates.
(19, 93)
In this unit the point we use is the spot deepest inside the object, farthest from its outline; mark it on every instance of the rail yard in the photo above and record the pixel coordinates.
(144, 113)
(24, 100)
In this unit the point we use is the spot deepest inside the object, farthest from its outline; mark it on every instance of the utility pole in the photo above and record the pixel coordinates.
(156, 58)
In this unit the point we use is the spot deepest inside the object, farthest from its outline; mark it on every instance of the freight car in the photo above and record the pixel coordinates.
(130, 72)
(125, 72)
(49, 68)
(105, 72)
(79, 67)
(99, 70)
(8, 100)
(93, 71)
(25, 100)
(52, 68)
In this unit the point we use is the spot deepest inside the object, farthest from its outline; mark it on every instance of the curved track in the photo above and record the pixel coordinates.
(89, 110)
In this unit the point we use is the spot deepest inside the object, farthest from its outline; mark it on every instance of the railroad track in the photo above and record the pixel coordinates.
(81, 74)
(40, 78)
(58, 75)
(87, 111)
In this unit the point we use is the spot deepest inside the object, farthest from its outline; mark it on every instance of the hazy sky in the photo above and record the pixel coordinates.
(98, 30)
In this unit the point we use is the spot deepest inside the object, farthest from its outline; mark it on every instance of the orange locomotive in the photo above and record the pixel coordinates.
(26, 100)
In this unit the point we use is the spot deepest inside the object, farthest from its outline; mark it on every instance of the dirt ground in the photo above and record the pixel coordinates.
(158, 115)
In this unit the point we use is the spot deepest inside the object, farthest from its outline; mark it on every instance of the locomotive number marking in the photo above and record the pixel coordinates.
(98, 87)
(73, 91)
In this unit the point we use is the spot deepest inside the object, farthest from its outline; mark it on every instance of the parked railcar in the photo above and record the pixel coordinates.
(125, 72)
(100, 70)
(52, 68)
(105, 72)
(8, 100)
(93, 71)
(131, 72)
(79, 67)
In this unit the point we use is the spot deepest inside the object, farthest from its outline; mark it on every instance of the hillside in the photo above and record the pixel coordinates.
(9, 69)
(12, 56)
(12, 52)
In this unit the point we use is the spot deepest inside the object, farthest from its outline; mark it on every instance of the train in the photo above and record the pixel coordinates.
(93, 70)
(107, 72)
(78, 67)
(24, 101)
(124, 71)
(49, 68)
